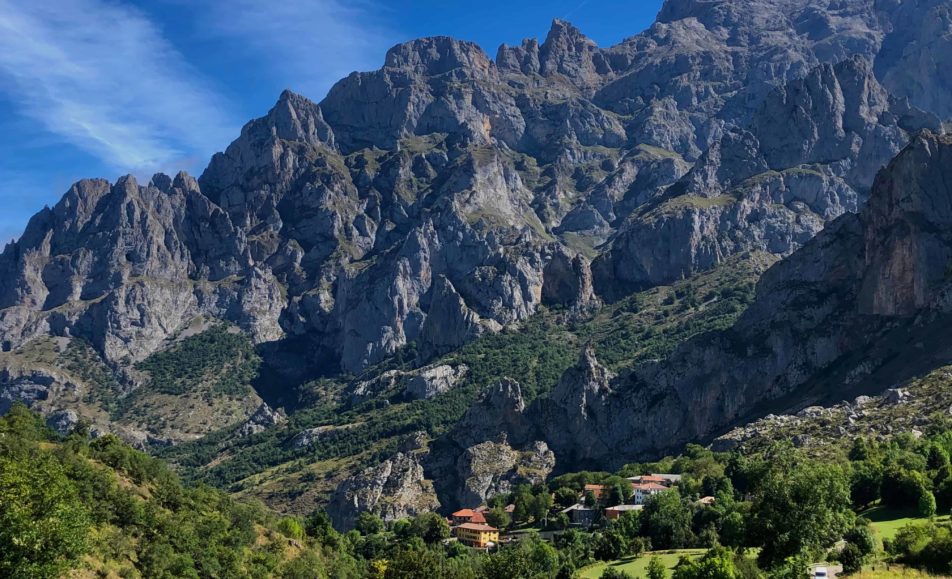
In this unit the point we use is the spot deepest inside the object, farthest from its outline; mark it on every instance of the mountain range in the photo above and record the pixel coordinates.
(459, 272)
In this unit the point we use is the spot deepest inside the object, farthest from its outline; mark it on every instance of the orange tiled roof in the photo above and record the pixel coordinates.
(464, 513)
(476, 527)
(649, 487)
(477, 518)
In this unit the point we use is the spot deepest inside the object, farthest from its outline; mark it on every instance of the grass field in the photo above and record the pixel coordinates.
(893, 571)
(887, 521)
(638, 566)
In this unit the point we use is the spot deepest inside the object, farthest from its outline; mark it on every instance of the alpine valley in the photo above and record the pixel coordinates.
(461, 273)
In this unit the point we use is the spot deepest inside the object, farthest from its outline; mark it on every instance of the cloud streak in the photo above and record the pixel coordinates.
(309, 44)
(101, 76)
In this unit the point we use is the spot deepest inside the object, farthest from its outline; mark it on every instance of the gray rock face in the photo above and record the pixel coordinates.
(809, 155)
(126, 266)
(578, 416)
(833, 320)
(28, 387)
(450, 323)
(567, 281)
(62, 421)
(448, 195)
(499, 411)
(430, 200)
(394, 489)
(492, 468)
(262, 419)
(433, 381)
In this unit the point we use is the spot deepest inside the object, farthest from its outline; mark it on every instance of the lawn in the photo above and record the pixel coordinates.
(884, 572)
(638, 566)
(887, 521)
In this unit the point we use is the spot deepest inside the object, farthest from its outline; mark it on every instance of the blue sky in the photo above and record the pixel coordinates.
(101, 88)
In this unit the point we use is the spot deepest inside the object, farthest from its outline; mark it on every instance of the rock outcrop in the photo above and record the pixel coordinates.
(578, 416)
(433, 381)
(62, 422)
(394, 489)
(490, 468)
(263, 418)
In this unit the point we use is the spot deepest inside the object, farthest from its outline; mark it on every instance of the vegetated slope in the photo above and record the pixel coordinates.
(200, 382)
(363, 423)
(79, 508)
(911, 408)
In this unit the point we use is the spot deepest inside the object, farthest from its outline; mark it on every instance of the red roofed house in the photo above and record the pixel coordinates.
(464, 516)
(596, 490)
(645, 490)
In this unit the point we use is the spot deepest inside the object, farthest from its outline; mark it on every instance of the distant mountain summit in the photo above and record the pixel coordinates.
(449, 195)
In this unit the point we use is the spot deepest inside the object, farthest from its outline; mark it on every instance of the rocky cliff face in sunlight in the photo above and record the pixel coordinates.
(424, 202)
(859, 308)
(449, 195)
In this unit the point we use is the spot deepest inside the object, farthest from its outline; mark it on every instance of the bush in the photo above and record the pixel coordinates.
(851, 558)
(716, 564)
(291, 528)
(369, 524)
(656, 569)
(862, 537)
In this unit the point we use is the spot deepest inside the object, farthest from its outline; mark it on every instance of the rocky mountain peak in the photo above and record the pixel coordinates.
(297, 118)
(185, 183)
(568, 52)
(438, 55)
(161, 181)
(521, 59)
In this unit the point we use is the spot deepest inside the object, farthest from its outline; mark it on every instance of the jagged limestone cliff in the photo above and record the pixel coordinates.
(449, 196)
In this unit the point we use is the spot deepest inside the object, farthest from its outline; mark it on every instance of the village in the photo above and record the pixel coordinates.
(595, 504)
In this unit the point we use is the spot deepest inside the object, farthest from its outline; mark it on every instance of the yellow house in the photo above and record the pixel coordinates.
(477, 535)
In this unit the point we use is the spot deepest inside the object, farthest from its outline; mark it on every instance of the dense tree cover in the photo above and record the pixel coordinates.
(801, 506)
(68, 503)
(43, 525)
(224, 358)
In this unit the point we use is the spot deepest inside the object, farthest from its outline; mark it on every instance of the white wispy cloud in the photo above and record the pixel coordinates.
(100, 75)
(310, 43)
